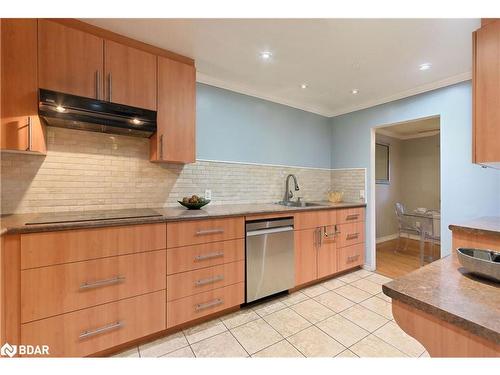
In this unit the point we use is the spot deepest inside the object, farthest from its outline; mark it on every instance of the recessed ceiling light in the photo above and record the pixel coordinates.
(60, 108)
(303, 86)
(265, 55)
(425, 66)
(354, 91)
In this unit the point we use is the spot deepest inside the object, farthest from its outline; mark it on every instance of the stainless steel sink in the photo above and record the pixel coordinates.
(299, 204)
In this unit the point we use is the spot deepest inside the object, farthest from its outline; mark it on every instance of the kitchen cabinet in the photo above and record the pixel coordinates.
(130, 75)
(175, 140)
(327, 251)
(70, 60)
(306, 263)
(486, 95)
(21, 129)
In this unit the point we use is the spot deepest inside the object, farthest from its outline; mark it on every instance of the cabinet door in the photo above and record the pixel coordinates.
(20, 126)
(130, 76)
(175, 138)
(69, 60)
(487, 94)
(327, 252)
(306, 248)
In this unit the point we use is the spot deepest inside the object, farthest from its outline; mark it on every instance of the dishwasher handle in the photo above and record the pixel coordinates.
(261, 232)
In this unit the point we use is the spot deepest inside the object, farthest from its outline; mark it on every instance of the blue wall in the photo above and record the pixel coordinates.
(467, 190)
(237, 127)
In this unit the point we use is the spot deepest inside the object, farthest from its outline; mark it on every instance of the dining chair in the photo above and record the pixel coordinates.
(405, 225)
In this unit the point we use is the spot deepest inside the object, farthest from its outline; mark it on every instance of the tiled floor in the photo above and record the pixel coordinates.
(347, 316)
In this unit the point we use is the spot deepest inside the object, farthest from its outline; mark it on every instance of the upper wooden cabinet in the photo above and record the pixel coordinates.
(70, 60)
(130, 76)
(175, 137)
(21, 129)
(486, 95)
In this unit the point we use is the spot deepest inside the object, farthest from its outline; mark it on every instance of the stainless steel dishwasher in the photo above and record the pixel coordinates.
(270, 264)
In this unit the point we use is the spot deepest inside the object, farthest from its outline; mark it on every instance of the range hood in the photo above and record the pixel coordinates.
(76, 112)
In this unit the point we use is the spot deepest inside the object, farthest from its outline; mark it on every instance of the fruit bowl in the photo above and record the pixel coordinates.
(195, 206)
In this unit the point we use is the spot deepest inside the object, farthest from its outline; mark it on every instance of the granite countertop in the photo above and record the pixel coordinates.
(482, 225)
(16, 223)
(445, 290)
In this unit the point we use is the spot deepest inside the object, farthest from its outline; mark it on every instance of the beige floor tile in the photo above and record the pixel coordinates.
(367, 286)
(333, 284)
(392, 334)
(293, 298)
(181, 353)
(384, 297)
(379, 279)
(379, 306)
(282, 349)
(131, 353)
(204, 331)
(268, 307)
(312, 342)
(372, 346)
(221, 345)
(352, 293)
(256, 335)
(363, 273)
(342, 330)
(313, 311)
(239, 317)
(349, 277)
(286, 322)
(347, 354)
(163, 346)
(314, 290)
(364, 318)
(334, 301)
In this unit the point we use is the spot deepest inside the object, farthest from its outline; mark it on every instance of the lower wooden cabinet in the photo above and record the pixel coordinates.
(199, 305)
(327, 251)
(306, 266)
(85, 332)
(351, 256)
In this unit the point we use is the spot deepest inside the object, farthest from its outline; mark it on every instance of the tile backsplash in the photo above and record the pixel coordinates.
(88, 171)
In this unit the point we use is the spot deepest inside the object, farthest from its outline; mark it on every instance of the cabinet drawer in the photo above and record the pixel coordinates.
(313, 219)
(63, 288)
(351, 234)
(85, 332)
(190, 258)
(189, 283)
(44, 249)
(351, 256)
(350, 215)
(189, 308)
(202, 231)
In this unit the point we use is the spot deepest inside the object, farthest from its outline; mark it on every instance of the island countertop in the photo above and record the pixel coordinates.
(483, 225)
(445, 290)
(17, 223)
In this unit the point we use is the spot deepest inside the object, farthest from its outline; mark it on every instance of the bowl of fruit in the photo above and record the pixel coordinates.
(194, 202)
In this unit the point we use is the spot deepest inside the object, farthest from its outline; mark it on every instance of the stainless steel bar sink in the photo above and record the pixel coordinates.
(299, 204)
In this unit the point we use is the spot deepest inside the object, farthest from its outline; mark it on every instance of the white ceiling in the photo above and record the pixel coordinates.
(380, 57)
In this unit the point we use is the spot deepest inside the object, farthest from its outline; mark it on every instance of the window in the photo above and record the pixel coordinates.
(382, 163)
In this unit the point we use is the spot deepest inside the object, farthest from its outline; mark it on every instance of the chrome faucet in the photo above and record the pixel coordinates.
(288, 193)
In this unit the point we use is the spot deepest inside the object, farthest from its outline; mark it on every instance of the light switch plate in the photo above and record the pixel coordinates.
(208, 194)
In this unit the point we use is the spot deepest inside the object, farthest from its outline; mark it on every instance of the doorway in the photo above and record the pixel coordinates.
(406, 186)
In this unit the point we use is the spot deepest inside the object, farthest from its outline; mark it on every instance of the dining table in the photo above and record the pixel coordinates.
(424, 222)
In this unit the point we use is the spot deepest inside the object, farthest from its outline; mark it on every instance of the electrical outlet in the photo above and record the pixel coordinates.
(208, 194)
(361, 194)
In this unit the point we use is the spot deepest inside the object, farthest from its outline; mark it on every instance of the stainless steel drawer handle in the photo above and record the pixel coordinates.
(96, 284)
(209, 231)
(104, 329)
(209, 256)
(215, 302)
(352, 236)
(352, 258)
(209, 280)
(352, 217)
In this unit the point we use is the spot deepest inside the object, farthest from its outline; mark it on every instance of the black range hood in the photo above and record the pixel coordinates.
(76, 112)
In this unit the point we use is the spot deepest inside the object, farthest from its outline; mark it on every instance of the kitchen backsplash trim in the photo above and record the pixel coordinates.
(89, 171)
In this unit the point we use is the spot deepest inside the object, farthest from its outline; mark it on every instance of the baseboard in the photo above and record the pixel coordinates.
(394, 236)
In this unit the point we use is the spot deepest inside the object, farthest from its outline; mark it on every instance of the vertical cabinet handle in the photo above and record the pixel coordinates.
(30, 134)
(97, 84)
(110, 85)
(161, 146)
